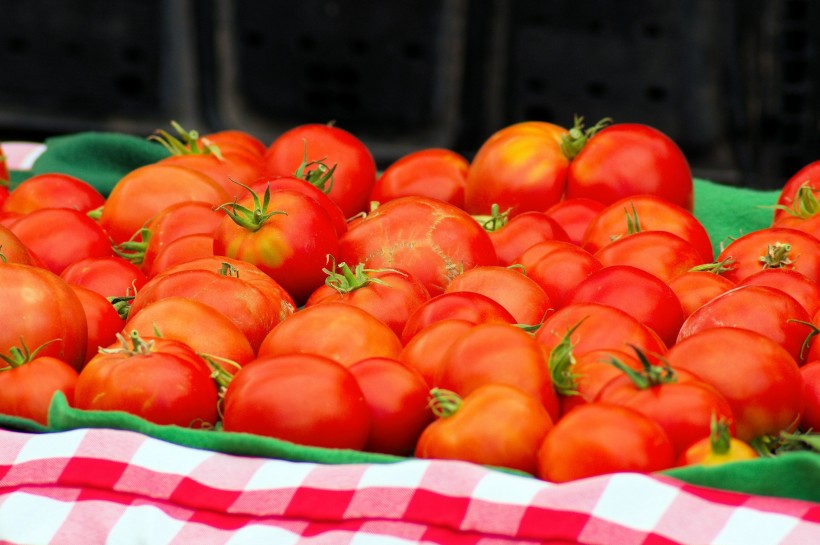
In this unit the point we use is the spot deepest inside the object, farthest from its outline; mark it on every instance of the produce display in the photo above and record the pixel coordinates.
(556, 306)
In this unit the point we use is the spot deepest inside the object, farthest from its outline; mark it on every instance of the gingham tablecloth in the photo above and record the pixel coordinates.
(112, 486)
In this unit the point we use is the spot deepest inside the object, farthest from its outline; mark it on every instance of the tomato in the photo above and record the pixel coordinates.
(390, 295)
(13, 250)
(78, 237)
(53, 190)
(426, 351)
(287, 234)
(810, 372)
(719, 447)
(758, 377)
(520, 167)
(558, 268)
(646, 213)
(796, 284)
(397, 396)
(102, 318)
(496, 425)
(510, 287)
(29, 381)
(574, 216)
(694, 288)
(768, 311)
(430, 239)
(809, 176)
(645, 296)
(201, 327)
(464, 305)
(475, 358)
(522, 231)
(771, 248)
(432, 172)
(660, 253)
(4, 169)
(41, 307)
(338, 331)
(355, 172)
(601, 438)
(626, 159)
(161, 380)
(110, 276)
(235, 140)
(182, 250)
(595, 326)
(303, 398)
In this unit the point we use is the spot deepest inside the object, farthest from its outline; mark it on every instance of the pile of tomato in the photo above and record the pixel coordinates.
(551, 306)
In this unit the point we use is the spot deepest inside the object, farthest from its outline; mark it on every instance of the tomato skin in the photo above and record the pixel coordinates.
(355, 172)
(431, 239)
(182, 250)
(574, 216)
(14, 250)
(303, 398)
(811, 394)
(747, 253)
(558, 268)
(627, 159)
(438, 173)
(427, 350)
(166, 383)
(496, 425)
(45, 309)
(758, 377)
(695, 288)
(590, 373)
(28, 388)
(520, 167)
(521, 232)
(338, 331)
(397, 396)
(110, 276)
(805, 290)
(808, 174)
(703, 453)
(104, 322)
(600, 438)
(660, 253)
(234, 140)
(52, 190)
(226, 171)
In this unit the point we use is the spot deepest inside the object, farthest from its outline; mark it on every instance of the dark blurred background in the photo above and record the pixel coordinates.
(736, 83)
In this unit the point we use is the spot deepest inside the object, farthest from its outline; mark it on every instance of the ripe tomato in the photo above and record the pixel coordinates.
(102, 317)
(431, 239)
(510, 287)
(809, 176)
(287, 234)
(523, 231)
(44, 309)
(433, 172)
(355, 172)
(496, 425)
(660, 253)
(161, 380)
(78, 237)
(427, 350)
(53, 190)
(558, 268)
(626, 159)
(182, 250)
(796, 284)
(810, 420)
(574, 216)
(768, 311)
(397, 396)
(4, 168)
(600, 438)
(12, 249)
(718, 448)
(110, 276)
(303, 398)
(695, 288)
(771, 248)
(390, 295)
(758, 377)
(234, 140)
(645, 296)
(520, 167)
(338, 331)
(29, 381)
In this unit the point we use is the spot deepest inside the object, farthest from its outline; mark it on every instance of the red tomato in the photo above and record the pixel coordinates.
(646, 213)
(600, 438)
(523, 231)
(234, 139)
(558, 268)
(12, 249)
(144, 192)
(645, 296)
(287, 234)
(390, 295)
(4, 168)
(718, 448)
(104, 322)
(29, 381)
(695, 288)
(809, 176)
(758, 377)
(520, 167)
(796, 284)
(628, 159)
(78, 237)
(660, 253)
(355, 172)
(496, 425)
(771, 248)
(397, 396)
(434, 172)
(53, 190)
(762, 309)
(432, 240)
(161, 380)
(510, 287)
(302, 398)
(464, 305)
(427, 350)
(182, 250)
(44, 308)
(574, 216)
(338, 331)
(810, 420)
(110, 276)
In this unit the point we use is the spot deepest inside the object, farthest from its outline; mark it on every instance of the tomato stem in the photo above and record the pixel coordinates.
(495, 220)
(576, 138)
(444, 403)
(133, 250)
(560, 363)
(777, 256)
(320, 177)
(251, 219)
(21, 355)
(188, 142)
(719, 437)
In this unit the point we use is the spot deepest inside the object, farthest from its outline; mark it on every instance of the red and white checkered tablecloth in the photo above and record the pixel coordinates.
(110, 486)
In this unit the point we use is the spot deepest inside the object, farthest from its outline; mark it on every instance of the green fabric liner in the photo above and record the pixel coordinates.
(101, 159)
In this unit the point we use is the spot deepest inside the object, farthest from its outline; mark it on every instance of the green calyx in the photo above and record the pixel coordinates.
(133, 250)
(254, 218)
(186, 143)
(495, 220)
(576, 138)
(777, 256)
(650, 376)
(720, 439)
(561, 361)
(138, 346)
(21, 355)
(806, 202)
(444, 403)
(347, 280)
(320, 176)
